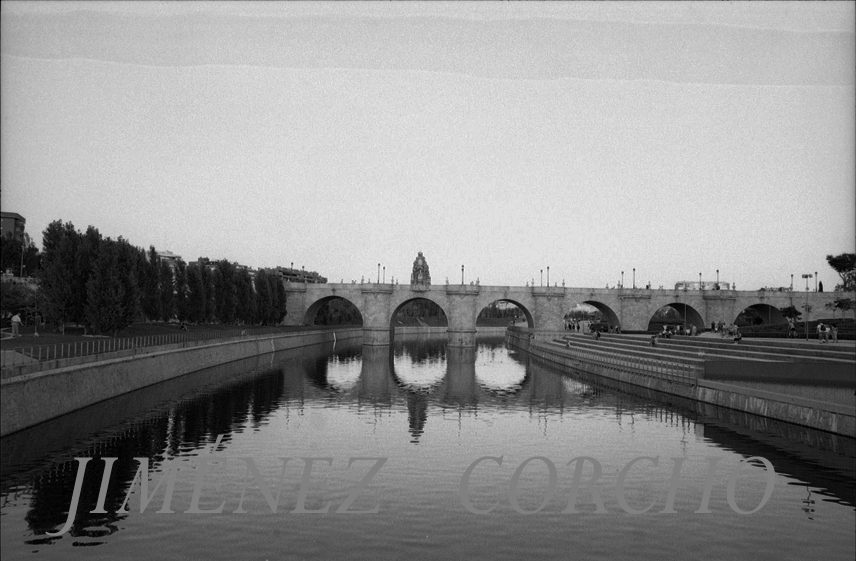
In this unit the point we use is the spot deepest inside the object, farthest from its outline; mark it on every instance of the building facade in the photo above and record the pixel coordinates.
(13, 223)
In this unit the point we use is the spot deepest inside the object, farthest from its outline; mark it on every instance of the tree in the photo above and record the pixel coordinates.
(132, 260)
(181, 291)
(149, 276)
(791, 313)
(16, 251)
(167, 291)
(210, 298)
(196, 293)
(264, 299)
(105, 292)
(57, 273)
(845, 265)
(845, 304)
(246, 296)
(84, 263)
(282, 308)
(16, 298)
(226, 292)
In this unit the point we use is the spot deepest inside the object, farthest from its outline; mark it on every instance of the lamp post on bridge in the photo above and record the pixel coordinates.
(792, 282)
(378, 273)
(384, 275)
(717, 279)
(462, 274)
(548, 276)
(622, 280)
(699, 282)
(815, 281)
(806, 277)
(634, 278)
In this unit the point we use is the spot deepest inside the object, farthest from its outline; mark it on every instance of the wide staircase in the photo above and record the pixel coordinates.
(694, 351)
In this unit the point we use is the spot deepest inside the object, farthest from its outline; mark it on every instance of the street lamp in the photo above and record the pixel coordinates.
(622, 280)
(548, 276)
(378, 273)
(699, 281)
(542, 277)
(806, 277)
(815, 281)
(462, 274)
(717, 278)
(634, 277)
(792, 282)
(384, 275)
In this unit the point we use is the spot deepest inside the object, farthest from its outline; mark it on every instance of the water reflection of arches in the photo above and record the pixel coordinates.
(689, 316)
(527, 315)
(312, 312)
(499, 378)
(762, 314)
(421, 363)
(609, 316)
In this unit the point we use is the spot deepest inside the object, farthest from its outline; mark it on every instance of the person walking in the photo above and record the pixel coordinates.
(820, 331)
(834, 330)
(16, 325)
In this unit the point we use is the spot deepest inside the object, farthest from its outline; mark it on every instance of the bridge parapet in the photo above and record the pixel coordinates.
(463, 289)
(549, 291)
(377, 288)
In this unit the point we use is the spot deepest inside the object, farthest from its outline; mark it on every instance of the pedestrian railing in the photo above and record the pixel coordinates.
(20, 356)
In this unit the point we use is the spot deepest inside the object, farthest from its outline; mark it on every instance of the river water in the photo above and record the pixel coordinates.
(419, 416)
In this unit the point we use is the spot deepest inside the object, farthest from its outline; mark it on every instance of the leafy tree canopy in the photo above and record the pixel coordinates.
(845, 265)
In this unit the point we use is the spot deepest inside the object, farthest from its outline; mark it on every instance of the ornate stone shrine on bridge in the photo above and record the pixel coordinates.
(420, 275)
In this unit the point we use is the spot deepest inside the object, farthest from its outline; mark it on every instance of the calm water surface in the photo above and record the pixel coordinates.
(431, 412)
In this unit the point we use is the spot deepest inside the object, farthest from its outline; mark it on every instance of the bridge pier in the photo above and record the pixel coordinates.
(377, 336)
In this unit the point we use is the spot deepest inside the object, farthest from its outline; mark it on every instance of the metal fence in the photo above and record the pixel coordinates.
(19, 356)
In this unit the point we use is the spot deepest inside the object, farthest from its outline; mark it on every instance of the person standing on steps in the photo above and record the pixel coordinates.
(16, 325)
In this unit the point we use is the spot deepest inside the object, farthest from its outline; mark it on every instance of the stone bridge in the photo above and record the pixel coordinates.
(544, 307)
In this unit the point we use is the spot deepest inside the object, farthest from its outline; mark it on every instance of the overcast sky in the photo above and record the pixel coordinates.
(675, 138)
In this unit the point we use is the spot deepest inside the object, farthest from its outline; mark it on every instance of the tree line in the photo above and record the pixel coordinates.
(106, 284)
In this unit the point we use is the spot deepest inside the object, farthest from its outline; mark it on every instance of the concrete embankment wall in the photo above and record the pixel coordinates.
(828, 415)
(30, 399)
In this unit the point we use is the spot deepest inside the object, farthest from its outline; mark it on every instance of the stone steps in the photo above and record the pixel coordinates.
(640, 352)
(685, 353)
(728, 349)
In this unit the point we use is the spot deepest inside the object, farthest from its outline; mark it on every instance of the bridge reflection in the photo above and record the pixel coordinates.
(181, 417)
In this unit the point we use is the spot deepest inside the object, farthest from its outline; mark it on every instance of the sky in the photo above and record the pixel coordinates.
(675, 138)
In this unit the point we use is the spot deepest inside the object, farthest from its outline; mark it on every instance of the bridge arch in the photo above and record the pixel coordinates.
(312, 311)
(609, 314)
(530, 322)
(406, 301)
(766, 313)
(689, 315)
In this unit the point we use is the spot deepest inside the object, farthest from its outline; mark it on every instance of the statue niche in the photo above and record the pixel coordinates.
(420, 275)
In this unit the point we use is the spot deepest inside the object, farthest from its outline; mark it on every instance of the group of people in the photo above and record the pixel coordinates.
(827, 333)
(573, 325)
